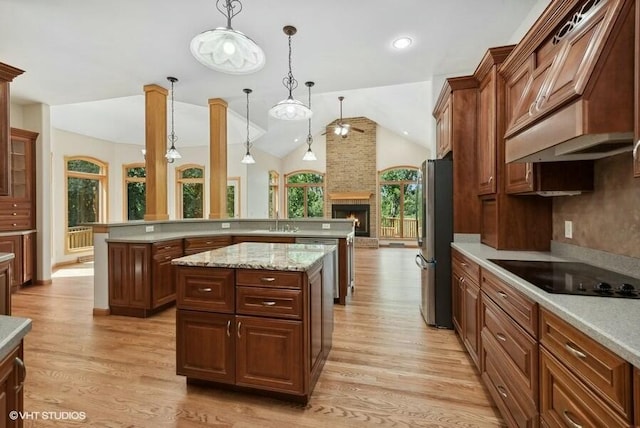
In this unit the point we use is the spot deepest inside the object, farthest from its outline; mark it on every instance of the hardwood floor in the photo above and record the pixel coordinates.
(386, 368)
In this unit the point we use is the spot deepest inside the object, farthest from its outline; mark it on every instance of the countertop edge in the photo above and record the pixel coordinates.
(168, 236)
(560, 304)
(17, 329)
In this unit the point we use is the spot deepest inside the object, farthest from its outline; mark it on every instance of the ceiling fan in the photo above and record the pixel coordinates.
(341, 128)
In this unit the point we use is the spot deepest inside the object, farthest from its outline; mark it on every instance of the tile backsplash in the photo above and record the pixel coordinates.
(607, 219)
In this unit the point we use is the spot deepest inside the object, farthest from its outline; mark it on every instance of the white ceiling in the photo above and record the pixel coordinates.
(89, 60)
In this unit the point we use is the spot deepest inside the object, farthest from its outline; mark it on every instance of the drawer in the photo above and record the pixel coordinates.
(515, 343)
(514, 303)
(165, 256)
(268, 278)
(470, 268)
(173, 247)
(565, 401)
(8, 206)
(205, 289)
(15, 223)
(197, 245)
(279, 302)
(15, 212)
(506, 394)
(605, 372)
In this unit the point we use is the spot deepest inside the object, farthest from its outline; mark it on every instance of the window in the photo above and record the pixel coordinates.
(274, 178)
(190, 191)
(86, 181)
(233, 197)
(398, 202)
(305, 194)
(135, 191)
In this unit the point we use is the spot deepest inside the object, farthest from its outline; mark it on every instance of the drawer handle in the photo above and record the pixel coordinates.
(239, 326)
(502, 294)
(19, 364)
(576, 352)
(635, 151)
(167, 257)
(501, 337)
(490, 179)
(205, 290)
(209, 242)
(268, 303)
(568, 418)
(502, 391)
(531, 108)
(228, 328)
(464, 264)
(167, 248)
(268, 279)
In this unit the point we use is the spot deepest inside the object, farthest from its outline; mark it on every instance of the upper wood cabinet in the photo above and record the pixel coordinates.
(7, 74)
(559, 68)
(455, 115)
(549, 177)
(636, 121)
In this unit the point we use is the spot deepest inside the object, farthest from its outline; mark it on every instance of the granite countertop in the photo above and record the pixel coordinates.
(6, 256)
(612, 322)
(12, 330)
(167, 236)
(259, 255)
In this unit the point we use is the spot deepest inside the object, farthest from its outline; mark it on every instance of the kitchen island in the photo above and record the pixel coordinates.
(255, 317)
(12, 368)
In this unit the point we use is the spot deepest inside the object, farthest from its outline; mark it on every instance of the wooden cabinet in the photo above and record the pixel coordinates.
(509, 350)
(466, 303)
(12, 375)
(487, 133)
(636, 393)
(140, 277)
(636, 118)
(5, 288)
(208, 243)
(7, 74)
(253, 329)
(13, 244)
(274, 239)
(457, 101)
(443, 128)
(602, 376)
(549, 177)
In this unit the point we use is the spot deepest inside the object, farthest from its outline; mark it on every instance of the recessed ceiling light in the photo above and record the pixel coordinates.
(405, 132)
(295, 141)
(402, 43)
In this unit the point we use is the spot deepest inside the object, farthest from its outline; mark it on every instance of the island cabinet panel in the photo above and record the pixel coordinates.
(206, 346)
(140, 277)
(269, 302)
(466, 303)
(269, 354)
(200, 244)
(274, 239)
(636, 394)
(12, 376)
(206, 289)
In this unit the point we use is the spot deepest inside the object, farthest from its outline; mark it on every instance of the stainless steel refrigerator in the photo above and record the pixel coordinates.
(435, 234)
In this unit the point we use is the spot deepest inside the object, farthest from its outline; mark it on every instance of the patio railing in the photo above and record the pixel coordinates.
(399, 228)
(79, 237)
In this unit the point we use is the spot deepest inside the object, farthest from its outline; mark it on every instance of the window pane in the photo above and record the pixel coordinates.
(409, 212)
(305, 177)
(192, 205)
(390, 210)
(231, 201)
(193, 173)
(315, 201)
(80, 165)
(82, 201)
(295, 202)
(400, 174)
(137, 172)
(272, 201)
(136, 202)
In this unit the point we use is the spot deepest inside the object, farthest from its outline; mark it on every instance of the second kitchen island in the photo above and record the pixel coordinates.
(255, 317)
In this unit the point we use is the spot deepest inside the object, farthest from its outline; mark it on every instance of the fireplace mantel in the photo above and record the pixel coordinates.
(341, 196)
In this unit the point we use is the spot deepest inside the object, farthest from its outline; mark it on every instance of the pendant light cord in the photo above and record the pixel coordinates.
(172, 136)
(309, 135)
(290, 82)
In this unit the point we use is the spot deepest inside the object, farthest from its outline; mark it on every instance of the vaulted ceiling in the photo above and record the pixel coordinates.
(89, 60)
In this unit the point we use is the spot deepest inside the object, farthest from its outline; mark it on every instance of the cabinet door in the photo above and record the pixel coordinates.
(487, 135)
(636, 147)
(519, 177)
(13, 244)
(11, 394)
(5, 289)
(205, 346)
(163, 287)
(457, 293)
(139, 288)
(471, 306)
(21, 167)
(443, 130)
(28, 257)
(269, 354)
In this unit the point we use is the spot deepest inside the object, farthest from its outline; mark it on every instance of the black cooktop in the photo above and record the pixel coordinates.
(573, 278)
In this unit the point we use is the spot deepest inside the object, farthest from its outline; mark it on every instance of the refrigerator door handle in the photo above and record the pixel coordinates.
(424, 264)
(419, 261)
(418, 237)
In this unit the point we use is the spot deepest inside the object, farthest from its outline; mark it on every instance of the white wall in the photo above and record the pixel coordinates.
(293, 161)
(533, 15)
(257, 194)
(16, 116)
(393, 150)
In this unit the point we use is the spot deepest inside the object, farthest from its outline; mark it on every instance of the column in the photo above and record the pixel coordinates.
(217, 158)
(156, 146)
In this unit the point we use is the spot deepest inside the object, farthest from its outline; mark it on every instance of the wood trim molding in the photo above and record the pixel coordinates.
(350, 195)
(43, 282)
(450, 85)
(8, 72)
(492, 57)
(98, 312)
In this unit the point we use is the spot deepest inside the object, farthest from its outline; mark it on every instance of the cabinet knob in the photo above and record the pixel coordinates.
(527, 173)
(209, 242)
(490, 179)
(14, 225)
(22, 370)
(228, 328)
(239, 326)
(502, 294)
(14, 213)
(502, 391)
(15, 205)
(635, 150)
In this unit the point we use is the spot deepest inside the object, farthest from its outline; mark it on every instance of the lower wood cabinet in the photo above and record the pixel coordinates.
(208, 243)
(12, 375)
(23, 264)
(531, 178)
(253, 330)
(140, 277)
(5, 288)
(466, 303)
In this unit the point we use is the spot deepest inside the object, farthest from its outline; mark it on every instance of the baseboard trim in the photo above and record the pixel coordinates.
(99, 312)
(43, 282)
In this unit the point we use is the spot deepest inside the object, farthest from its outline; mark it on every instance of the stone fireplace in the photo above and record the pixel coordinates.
(359, 213)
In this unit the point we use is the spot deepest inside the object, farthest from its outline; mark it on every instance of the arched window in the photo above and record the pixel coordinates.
(398, 202)
(135, 191)
(274, 188)
(190, 191)
(305, 194)
(86, 181)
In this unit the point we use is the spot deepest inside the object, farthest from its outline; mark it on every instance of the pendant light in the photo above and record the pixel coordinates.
(172, 153)
(309, 155)
(225, 49)
(248, 159)
(290, 108)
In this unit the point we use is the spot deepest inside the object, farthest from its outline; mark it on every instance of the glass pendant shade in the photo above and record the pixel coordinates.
(228, 51)
(290, 109)
(248, 158)
(309, 155)
(172, 154)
